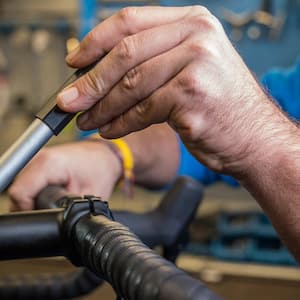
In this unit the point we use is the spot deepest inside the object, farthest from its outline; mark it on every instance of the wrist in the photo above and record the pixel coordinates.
(121, 150)
(115, 171)
(271, 151)
(156, 155)
(258, 141)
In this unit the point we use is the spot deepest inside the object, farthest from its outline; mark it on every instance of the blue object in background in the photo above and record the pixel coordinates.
(284, 86)
(244, 237)
(256, 51)
(87, 15)
(190, 166)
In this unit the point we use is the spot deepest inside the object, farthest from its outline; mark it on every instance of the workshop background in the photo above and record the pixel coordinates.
(233, 247)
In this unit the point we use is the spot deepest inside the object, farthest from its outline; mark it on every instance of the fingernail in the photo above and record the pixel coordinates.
(70, 57)
(105, 128)
(68, 95)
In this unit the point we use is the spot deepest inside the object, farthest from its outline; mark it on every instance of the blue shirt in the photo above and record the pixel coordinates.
(284, 87)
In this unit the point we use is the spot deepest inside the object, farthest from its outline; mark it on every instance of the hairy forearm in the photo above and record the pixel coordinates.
(273, 178)
(277, 189)
(156, 155)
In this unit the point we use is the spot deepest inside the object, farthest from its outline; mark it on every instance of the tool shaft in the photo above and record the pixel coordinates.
(51, 120)
(22, 151)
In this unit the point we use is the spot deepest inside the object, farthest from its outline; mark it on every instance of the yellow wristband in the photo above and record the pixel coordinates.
(124, 153)
(128, 162)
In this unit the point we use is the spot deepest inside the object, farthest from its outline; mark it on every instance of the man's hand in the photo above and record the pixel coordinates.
(82, 168)
(177, 65)
(174, 65)
(91, 167)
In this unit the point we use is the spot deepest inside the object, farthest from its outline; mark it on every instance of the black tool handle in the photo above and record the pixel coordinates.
(51, 114)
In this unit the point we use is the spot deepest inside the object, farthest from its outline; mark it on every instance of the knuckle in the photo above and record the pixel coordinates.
(214, 23)
(45, 158)
(127, 16)
(131, 80)
(199, 49)
(206, 23)
(91, 85)
(13, 191)
(125, 50)
(189, 83)
(142, 109)
(91, 38)
(207, 49)
(199, 10)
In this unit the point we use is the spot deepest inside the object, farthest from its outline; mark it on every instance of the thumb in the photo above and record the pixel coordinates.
(83, 93)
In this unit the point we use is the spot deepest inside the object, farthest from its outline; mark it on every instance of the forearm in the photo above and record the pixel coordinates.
(273, 178)
(156, 155)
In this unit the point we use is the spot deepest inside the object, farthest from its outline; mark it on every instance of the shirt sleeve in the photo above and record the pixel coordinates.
(284, 87)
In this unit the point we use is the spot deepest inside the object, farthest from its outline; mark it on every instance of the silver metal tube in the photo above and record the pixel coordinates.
(22, 151)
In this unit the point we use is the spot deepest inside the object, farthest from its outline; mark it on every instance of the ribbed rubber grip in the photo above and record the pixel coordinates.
(111, 251)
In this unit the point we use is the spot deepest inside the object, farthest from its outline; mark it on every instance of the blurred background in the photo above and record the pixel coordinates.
(232, 247)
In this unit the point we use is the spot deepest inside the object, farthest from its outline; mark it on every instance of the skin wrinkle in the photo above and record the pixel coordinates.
(208, 112)
(95, 83)
(251, 129)
(131, 79)
(150, 96)
(94, 115)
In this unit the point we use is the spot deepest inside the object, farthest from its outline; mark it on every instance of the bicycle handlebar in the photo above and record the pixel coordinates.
(110, 250)
(161, 226)
(83, 232)
(67, 285)
(31, 234)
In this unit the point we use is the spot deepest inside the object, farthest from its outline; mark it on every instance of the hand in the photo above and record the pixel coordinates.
(87, 167)
(174, 65)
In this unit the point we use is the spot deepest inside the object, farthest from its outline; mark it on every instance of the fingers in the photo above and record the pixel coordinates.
(126, 22)
(157, 108)
(25, 188)
(39, 173)
(184, 115)
(135, 86)
(129, 53)
(75, 166)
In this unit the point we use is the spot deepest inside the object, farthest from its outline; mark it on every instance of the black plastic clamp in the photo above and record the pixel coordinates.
(75, 209)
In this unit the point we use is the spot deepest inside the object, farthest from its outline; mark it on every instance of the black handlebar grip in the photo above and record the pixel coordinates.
(162, 226)
(165, 224)
(48, 286)
(31, 234)
(51, 114)
(136, 272)
(49, 197)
